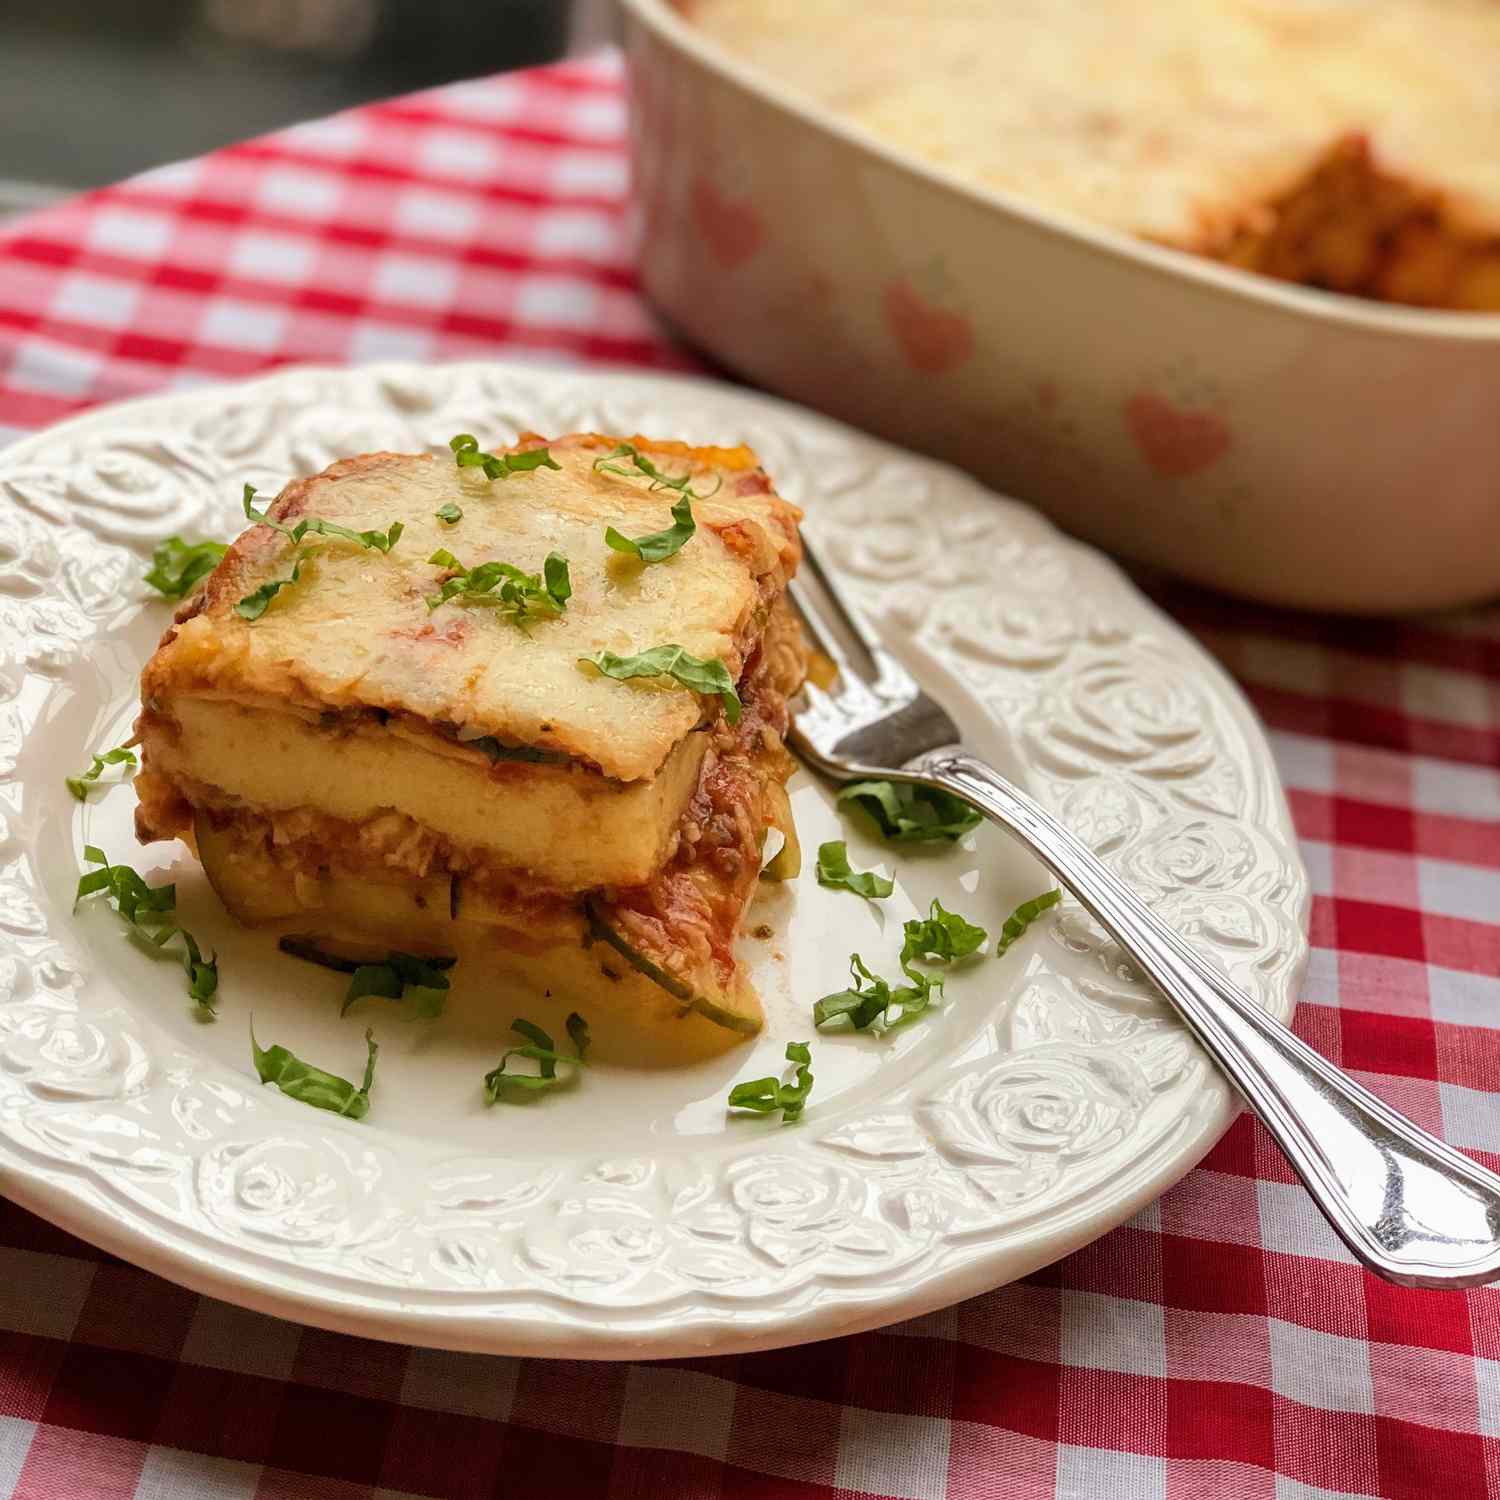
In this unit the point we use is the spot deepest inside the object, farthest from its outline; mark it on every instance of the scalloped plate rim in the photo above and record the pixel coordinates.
(547, 1328)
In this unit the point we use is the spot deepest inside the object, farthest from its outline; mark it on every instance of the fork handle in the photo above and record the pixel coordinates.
(1409, 1207)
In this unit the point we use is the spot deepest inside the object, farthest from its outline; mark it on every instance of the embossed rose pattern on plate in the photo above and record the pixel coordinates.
(1079, 1099)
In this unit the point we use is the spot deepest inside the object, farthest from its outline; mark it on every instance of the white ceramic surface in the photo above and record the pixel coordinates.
(1049, 1100)
(1288, 444)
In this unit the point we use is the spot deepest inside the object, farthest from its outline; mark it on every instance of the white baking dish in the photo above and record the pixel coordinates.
(1287, 444)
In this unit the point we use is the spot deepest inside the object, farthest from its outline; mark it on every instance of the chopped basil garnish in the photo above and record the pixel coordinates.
(711, 677)
(659, 545)
(558, 585)
(941, 937)
(397, 976)
(309, 1085)
(513, 1088)
(260, 517)
(119, 756)
(871, 999)
(908, 814)
(380, 541)
(834, 871)
(178, 567)
(403, 976)
(449, 514)
(1022, 918)
(766, 1095)
(503, 586)
(253, 606)
(643, 465)
(148, 909)
(469, 455)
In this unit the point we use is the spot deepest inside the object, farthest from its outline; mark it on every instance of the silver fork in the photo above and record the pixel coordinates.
(1410, 1208)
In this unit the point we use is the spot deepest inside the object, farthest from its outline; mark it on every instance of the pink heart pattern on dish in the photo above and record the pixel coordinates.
(731, 227)
(1176, 441)
(934, 339)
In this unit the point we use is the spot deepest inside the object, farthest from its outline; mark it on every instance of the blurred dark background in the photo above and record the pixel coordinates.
(93, 90)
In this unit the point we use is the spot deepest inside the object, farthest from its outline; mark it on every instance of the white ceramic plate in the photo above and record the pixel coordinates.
(1050, 1100)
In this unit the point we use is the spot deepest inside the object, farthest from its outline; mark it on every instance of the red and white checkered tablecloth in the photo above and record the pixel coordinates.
(1223, 1344)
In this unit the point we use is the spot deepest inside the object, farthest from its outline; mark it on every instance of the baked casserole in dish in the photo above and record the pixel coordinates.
(1352, 146)
(1025, 238)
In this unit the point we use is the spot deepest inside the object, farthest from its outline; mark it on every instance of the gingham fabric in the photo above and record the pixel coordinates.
(1221, 1345)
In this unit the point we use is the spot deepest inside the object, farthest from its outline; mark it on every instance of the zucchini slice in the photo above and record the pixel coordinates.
(718, 1010)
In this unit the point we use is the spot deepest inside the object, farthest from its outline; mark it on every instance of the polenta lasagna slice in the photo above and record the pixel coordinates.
(531, 703)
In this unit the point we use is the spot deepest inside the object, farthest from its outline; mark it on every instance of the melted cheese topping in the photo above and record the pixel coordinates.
(356, 633)
(1168, 119)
